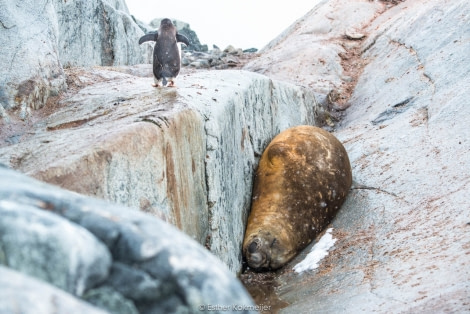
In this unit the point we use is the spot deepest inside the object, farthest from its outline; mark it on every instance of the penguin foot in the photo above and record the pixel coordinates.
(155, 85)
(171, 84)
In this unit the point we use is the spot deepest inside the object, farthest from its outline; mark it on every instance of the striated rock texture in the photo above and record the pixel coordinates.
(30, 70)
(98, 32)
(185, 154)
(402, 234)
(312, 52)
(113, 257)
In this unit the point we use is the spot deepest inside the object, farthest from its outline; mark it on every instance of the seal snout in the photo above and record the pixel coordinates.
(255, 255)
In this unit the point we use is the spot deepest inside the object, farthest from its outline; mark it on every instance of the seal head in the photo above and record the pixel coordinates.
(166, 52)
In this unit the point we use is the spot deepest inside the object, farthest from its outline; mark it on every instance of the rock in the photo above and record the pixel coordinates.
(354, 35)
(162, 268)
(22, 294)
(111, 300)
(308, 52)
(168, 152)
(215, 59)
(30, 70)
(99, 32)
(75, 261)
(200, 64)
(233, 51)
(63, 34)
(250, 50)
(402, 234)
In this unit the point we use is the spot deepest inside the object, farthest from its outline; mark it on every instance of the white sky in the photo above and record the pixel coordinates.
(241, 23)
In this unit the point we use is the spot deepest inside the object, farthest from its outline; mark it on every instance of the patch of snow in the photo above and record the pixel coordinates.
(318, 252)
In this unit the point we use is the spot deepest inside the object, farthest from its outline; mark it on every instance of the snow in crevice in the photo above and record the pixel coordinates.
(318, 252)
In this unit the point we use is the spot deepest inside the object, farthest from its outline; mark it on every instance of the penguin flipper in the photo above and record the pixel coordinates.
(182, 39)
(148, 37)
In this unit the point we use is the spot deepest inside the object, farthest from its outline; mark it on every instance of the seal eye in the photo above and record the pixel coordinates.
(253, 246)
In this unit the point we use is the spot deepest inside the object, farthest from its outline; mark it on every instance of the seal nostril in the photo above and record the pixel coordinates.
(253, 246)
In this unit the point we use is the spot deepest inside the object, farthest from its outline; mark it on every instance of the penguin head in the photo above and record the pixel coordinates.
(166, 23)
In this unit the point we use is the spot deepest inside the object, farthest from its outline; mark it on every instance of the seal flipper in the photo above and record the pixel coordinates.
(182, 39)
(148, 37)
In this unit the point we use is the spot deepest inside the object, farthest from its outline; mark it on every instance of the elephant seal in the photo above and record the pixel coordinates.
(166, 53)
(302, 180)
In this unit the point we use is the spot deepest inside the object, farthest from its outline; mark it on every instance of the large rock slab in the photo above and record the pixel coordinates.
(185, 154)
(98, 32)
(155, 268)
(403, 231)
(30, 70)
(310, 52)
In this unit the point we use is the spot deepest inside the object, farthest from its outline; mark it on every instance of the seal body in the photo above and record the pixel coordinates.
(166, 53)
(302, 180)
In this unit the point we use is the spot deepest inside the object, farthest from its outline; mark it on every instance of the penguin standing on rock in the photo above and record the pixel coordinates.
(166, 53)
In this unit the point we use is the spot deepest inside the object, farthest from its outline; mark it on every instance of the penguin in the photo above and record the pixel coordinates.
(166, 53)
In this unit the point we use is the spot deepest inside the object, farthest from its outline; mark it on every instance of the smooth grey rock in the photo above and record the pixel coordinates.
(186, 154)
(98, 32)
(50, 248)
(22, 294)
(183, 274)
(109, 299)
(30, 70)
(134, 283)
(200, 64)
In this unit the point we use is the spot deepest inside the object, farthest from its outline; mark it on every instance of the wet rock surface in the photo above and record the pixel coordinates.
(141, 265)
(402, 234)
